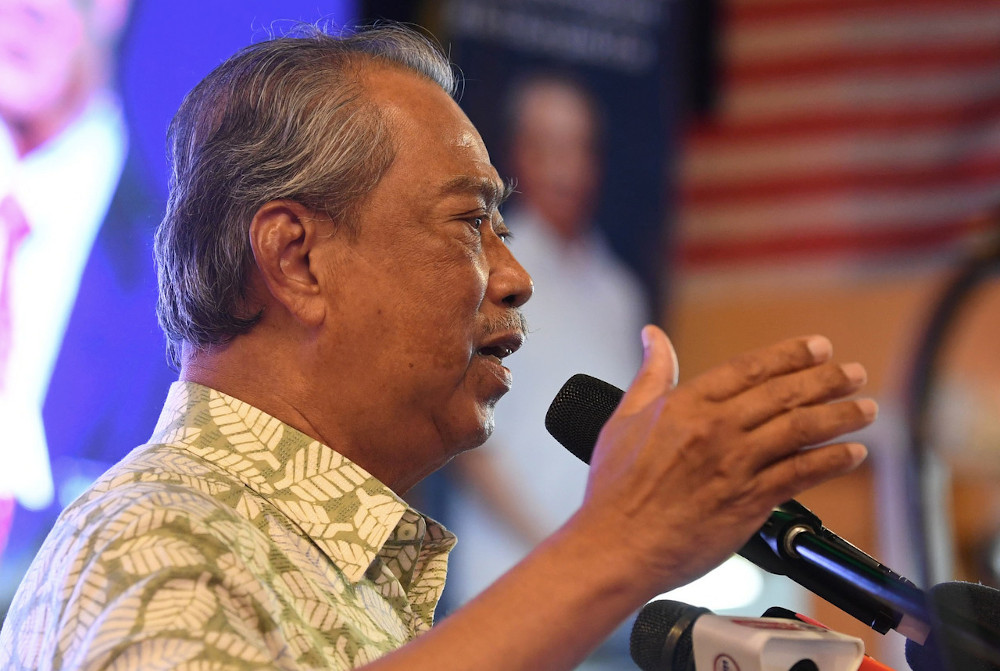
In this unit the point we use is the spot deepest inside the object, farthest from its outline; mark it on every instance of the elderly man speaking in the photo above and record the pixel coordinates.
(337, 290)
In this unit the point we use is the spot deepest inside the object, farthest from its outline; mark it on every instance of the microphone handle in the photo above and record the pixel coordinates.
(896, 595)
(793, 542)
(856, 603)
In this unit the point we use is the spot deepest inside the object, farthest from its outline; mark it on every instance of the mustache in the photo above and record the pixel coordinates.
(512, 320)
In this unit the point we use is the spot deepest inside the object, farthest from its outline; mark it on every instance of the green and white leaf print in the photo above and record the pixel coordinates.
(230, 541)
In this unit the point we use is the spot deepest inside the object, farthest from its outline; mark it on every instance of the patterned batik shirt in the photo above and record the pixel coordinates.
(230, 541)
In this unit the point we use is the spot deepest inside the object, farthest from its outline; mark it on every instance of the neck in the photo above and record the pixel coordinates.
(229, 369)
(268, 377)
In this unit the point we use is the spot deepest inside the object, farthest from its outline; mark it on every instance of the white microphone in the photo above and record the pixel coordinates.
(674, 636)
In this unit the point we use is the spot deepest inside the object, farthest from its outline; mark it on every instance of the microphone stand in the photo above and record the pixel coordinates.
(794, 543)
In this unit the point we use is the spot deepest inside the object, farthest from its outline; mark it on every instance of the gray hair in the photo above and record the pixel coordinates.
(282, 119)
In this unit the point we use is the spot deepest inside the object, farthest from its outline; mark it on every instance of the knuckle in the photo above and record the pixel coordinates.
(808, 469)
(800, 427)
(803, 476)
(801, 469)
(843, 415)
(698, 432)
(699, 429)
(784, 395)
(726, 473)
(750, 368)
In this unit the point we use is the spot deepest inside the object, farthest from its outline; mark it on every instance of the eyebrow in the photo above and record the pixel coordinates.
(492, 194)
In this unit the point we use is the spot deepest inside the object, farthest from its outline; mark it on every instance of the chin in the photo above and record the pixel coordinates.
(478, 434)
(485, 431)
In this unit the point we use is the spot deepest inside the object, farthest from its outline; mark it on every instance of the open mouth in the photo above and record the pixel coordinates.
(496, 352)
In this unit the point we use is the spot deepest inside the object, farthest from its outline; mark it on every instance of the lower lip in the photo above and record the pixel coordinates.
(499, 370)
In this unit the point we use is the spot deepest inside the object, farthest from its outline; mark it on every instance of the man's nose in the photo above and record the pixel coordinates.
(509, 282)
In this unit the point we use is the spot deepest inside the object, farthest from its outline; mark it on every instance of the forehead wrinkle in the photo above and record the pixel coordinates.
(492, 192)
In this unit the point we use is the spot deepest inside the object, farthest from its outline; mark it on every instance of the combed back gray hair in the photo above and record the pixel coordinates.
(282, 119)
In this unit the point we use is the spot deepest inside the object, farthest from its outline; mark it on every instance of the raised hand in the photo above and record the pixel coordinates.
(687, 473)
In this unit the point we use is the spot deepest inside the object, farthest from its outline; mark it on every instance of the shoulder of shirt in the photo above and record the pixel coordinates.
(174, 478)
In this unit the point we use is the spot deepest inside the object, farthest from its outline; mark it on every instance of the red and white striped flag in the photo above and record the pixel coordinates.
(845, 128)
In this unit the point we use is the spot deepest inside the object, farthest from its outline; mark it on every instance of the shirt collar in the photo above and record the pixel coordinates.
(350, 515)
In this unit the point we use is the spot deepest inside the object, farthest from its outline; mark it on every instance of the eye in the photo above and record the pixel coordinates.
(499, 228)
(504, 233)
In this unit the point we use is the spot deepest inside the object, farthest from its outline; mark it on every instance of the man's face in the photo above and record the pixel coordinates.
(428, 291)
(556, 156)
(42, 43)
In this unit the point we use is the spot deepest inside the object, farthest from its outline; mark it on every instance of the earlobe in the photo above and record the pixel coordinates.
(282, 235)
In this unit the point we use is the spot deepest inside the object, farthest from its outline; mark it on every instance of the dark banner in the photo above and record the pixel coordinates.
(629, 55)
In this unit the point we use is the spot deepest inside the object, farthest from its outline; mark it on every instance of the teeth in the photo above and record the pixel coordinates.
(497, 353)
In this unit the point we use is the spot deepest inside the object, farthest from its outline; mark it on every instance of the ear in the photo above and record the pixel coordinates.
(283, 233)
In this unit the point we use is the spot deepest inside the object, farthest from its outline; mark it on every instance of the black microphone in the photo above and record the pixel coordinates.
(675, 636)
(965, 631)
(661, 636)
(793, 542)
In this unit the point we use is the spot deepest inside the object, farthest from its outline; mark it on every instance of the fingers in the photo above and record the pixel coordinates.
(784, 436)
(754, 368)
(781, 394)
(658, 373)
(754, 415)
(808, 468)
(724, 447)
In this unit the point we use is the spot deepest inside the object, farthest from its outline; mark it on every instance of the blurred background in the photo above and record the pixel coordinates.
(739, 171)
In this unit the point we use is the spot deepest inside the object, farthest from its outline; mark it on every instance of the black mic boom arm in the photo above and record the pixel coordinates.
(794, 543)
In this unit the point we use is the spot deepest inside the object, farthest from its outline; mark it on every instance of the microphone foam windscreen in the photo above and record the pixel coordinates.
(656, 622)
(965, 630)
(579, 411)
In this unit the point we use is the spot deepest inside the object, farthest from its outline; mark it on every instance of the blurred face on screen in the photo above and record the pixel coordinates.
(556, 155)
(53, 55)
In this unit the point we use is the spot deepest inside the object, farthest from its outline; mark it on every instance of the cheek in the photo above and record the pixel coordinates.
(454, 276)
(448, 307)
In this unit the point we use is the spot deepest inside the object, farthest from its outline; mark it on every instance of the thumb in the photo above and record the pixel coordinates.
(659, 371)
